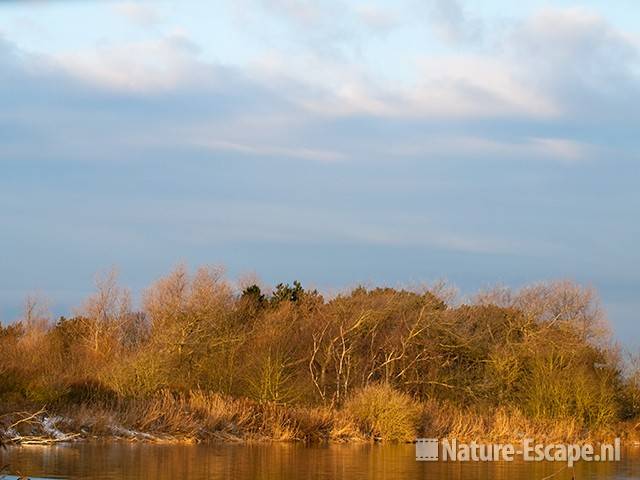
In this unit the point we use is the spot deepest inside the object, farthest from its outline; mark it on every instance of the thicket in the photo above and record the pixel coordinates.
(388, 363)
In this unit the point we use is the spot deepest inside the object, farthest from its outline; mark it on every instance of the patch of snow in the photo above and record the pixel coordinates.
(49, 426)
(125, 432)
(10, 434)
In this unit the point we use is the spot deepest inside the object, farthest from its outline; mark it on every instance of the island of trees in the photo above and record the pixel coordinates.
(201, 360)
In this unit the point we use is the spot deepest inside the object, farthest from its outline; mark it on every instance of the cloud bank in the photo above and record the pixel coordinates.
(399, 140)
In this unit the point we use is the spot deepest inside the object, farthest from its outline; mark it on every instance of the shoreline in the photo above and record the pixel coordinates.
(368, 365)
(157, 440)
(200, 417)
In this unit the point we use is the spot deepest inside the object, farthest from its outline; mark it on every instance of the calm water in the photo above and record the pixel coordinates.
(283, 462)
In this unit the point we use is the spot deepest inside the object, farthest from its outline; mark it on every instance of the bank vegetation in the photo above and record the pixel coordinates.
(201, 360)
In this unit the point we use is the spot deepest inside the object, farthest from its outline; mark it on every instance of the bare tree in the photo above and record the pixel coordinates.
(105, 313)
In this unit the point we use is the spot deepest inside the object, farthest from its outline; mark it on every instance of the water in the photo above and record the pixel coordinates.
(283, 462)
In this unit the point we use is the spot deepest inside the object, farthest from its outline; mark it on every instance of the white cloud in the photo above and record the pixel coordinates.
(464, 86)
(161, 64)
(142, 14)
(453, 23)
(572, 48)
(378, 19)
(241, 108)
(477, 86)
(304, 12)
(526, 76)
(562, 150)
(269, 150)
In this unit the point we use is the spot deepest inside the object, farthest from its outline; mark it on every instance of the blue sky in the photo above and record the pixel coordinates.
(334, 142)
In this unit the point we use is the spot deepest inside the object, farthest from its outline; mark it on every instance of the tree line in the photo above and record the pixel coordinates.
(544, 349)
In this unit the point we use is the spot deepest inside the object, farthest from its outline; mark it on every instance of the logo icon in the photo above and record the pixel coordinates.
(427, 449)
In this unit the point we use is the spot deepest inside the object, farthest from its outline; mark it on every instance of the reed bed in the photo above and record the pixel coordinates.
(376, 413)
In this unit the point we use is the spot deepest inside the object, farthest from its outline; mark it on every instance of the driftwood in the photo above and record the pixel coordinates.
(34, 419)
(29, 418)
(41, 440)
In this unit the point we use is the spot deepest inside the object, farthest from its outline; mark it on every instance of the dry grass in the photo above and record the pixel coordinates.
(202, 416)
(374, 413)
(508, 424)
(383, 413)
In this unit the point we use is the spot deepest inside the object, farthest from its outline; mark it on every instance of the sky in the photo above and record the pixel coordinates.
(339, 142)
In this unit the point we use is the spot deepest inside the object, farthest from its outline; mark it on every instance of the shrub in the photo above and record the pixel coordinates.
(384, 413)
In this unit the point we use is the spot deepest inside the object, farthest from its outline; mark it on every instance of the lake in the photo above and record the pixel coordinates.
(283, 462)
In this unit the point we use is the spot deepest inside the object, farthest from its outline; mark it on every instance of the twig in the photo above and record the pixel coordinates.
(28, 418)
(32, 440)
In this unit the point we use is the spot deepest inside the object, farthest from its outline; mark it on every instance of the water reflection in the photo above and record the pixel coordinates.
(284, 462)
